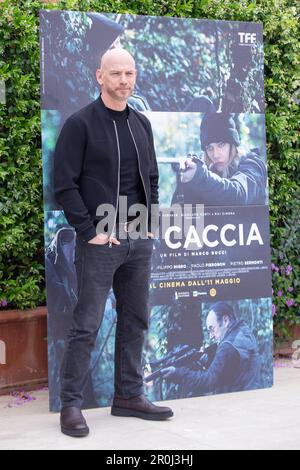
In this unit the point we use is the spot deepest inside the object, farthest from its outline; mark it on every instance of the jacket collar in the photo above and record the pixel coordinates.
(103, 109)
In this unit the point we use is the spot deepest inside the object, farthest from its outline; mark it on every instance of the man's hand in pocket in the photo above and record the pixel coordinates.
(102, 239)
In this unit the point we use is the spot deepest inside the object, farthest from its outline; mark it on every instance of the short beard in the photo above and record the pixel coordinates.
(114, 96)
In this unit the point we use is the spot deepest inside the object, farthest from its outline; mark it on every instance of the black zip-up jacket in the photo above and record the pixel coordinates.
(87, 165)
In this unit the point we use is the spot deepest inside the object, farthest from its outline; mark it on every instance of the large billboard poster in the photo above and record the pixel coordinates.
(200, 83)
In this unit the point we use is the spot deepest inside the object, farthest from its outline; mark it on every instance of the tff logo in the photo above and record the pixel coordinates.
(247, 38)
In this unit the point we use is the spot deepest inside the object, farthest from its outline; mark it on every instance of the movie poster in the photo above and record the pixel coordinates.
(200, 83)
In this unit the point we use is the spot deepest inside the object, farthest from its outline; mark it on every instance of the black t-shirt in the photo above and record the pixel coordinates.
(131, 184)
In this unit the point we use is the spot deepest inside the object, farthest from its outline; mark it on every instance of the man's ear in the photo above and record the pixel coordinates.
(226, 320)
(98, 76)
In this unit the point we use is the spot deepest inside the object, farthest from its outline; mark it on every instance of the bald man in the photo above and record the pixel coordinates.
(104, 156)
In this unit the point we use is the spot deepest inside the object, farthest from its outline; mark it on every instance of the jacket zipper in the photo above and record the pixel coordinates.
(117, 202)
(138, 155)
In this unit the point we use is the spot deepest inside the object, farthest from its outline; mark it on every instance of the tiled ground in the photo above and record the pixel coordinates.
(261, 419)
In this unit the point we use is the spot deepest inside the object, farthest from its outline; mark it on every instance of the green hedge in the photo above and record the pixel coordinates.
(22, 282)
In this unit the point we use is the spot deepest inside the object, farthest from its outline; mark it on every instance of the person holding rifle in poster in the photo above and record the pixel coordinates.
(225, 177)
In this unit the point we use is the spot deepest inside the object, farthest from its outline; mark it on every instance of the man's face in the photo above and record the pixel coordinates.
(117, 78)
(219, 154)
(216, 330)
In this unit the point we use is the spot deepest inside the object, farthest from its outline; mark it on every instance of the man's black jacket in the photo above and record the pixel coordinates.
(87, 164)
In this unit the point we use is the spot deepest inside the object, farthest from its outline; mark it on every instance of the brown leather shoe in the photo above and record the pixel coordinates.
(73, 423)
(140, 407)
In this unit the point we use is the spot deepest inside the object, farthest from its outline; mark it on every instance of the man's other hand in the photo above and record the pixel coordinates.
(102, 239)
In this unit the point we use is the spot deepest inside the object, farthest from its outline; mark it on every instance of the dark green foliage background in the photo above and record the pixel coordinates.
(22, 281)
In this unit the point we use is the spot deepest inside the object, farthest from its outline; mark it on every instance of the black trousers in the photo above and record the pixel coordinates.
(126, 268)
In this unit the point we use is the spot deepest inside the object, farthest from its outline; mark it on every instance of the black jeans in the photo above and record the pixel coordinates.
(126, 268)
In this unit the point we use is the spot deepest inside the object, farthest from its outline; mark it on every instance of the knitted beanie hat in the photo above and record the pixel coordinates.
(218, 127)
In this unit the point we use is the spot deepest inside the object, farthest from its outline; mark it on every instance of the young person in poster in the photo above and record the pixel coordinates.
(106, 150)
(225, 177)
